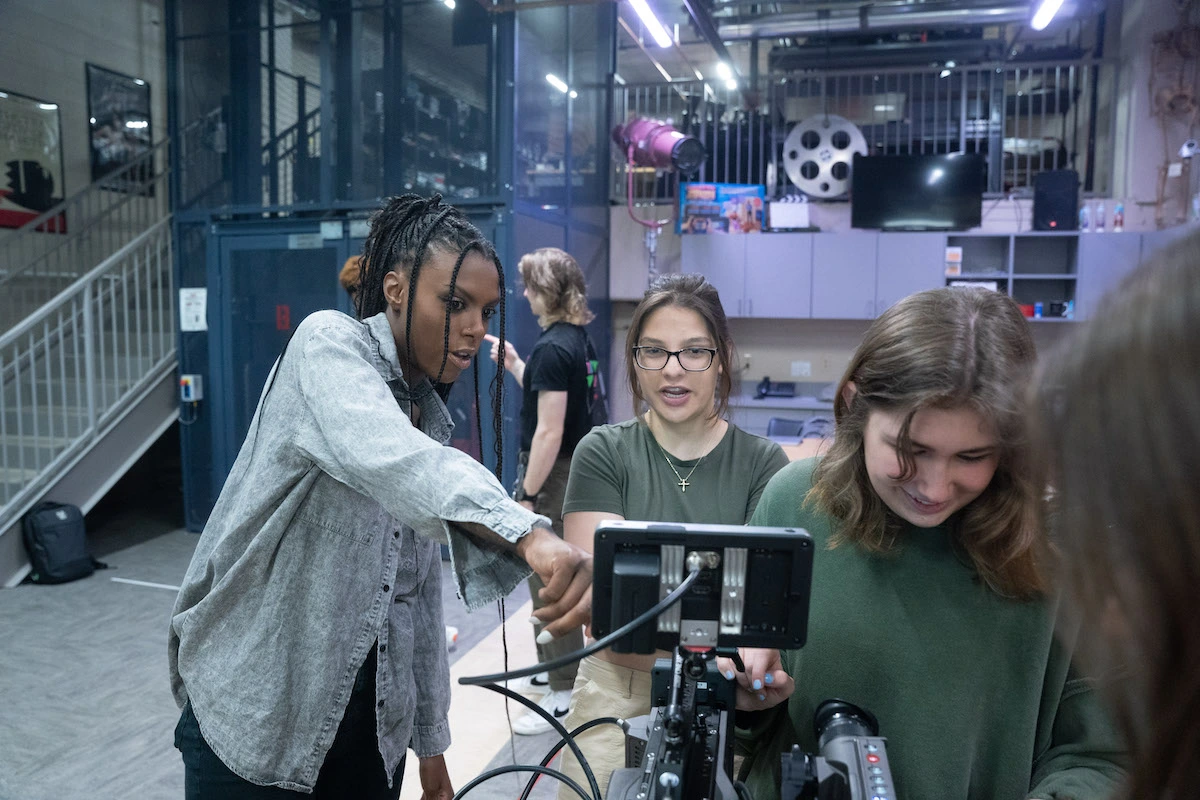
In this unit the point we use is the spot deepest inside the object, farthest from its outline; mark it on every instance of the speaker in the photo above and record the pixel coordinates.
(1056, 200)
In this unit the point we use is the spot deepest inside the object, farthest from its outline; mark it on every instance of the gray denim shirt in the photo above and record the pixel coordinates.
(324, 542)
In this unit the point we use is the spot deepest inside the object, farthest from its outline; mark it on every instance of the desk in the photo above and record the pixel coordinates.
(751, 414)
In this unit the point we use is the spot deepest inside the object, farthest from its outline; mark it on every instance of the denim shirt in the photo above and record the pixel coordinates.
(322, 544)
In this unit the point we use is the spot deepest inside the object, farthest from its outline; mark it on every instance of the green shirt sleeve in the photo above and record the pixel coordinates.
(596, 480)
(1080, 756)
(769, 465)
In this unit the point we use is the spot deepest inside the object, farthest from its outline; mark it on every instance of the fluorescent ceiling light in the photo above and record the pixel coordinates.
(657, 31)
(47, 106)
(557, 83)
(731, 84)
(944, 73)
(935, 175)
(139, 81)
(1045, 12)
(723, 71)
(137, 124)
(449, 4)
(572, 94)
(885, 108)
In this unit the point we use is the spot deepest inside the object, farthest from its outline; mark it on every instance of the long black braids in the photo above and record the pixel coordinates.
(401, 234)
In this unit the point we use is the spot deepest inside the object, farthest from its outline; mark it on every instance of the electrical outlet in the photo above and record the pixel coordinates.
(801, 369)
(746, 362)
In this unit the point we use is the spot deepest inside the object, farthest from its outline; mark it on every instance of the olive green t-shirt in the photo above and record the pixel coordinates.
(620, 469)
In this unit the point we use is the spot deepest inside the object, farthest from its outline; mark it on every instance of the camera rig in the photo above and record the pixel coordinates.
(701, 591)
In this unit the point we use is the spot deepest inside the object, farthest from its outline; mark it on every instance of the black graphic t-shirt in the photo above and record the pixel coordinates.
(563, 361)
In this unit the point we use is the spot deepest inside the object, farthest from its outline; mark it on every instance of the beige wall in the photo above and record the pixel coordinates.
(44, 45)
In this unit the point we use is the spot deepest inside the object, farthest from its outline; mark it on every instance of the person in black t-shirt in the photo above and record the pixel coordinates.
(560, 405)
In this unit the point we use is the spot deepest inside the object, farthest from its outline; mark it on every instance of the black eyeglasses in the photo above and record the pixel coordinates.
(692, 359)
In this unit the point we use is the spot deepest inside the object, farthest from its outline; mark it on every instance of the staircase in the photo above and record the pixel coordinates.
(87, 345)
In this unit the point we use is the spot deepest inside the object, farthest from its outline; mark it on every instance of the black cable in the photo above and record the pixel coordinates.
(742, 791)
(554, 723)
(492, 773)
(545, 762)
(548, 666)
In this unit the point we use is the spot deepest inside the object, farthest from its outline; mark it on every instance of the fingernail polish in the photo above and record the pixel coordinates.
(544, 638)
(728, 674)
(757, 684)
(534, 621)
(769, 679)
(762, 697)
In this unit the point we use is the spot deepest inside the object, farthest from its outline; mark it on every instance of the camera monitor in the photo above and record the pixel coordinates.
(752, 590)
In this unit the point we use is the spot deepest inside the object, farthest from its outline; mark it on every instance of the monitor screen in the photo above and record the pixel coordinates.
(926, 192)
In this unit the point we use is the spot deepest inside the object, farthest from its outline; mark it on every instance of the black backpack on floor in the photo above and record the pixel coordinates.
(56, 541)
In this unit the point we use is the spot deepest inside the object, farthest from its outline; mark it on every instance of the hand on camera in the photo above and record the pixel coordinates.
(764, 684)
(567, 572)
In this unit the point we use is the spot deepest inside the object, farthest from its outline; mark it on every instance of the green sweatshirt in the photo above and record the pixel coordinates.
(975, 694)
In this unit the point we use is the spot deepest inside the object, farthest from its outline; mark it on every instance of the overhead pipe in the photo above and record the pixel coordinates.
(865, 19)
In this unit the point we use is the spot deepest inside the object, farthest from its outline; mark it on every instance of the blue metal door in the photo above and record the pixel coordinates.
(267, 284)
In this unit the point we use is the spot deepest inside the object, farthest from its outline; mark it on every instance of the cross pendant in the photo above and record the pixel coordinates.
(683, 484)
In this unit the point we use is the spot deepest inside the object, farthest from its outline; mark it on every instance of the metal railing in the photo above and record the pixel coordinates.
(291, 163)
(69, 371)
(53, 250)
(1025, 118)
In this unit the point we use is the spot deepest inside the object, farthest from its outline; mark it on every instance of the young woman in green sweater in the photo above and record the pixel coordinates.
(928, 607)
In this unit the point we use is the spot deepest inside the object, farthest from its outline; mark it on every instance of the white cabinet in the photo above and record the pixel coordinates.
(908, 263)
(722, 259)
(843, 285)
(779, 275)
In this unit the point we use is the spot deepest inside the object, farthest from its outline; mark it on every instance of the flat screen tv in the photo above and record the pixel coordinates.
(918, 192)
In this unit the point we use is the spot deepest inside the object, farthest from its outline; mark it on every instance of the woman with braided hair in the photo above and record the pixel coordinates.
(306, 647)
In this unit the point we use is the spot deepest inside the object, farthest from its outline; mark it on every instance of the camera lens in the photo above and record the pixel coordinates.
(836, 718)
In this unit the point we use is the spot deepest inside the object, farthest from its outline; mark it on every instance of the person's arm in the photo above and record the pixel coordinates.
(435, 779)
(512, 361)
(1085, 758)
(547, 439)
(354, 430)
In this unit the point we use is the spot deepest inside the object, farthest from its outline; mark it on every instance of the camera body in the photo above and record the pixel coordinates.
(752, 590)
(853, 762)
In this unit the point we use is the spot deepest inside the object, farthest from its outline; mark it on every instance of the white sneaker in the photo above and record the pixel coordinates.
(554, 703)
(531, 684)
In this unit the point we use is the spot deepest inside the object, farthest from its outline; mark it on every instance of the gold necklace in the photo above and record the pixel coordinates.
(683, 481)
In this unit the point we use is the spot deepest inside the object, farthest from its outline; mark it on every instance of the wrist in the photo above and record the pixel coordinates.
(521, 494)
(530, 539)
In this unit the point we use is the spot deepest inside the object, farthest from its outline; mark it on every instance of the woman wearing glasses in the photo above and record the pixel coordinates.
(679, 460)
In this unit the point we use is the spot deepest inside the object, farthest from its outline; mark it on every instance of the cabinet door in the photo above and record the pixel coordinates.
(1104, 258)
(779, 275)
(908, 263)
(721, 258)
(843, 284)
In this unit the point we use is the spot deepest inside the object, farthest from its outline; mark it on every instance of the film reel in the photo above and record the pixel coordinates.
(818, 153)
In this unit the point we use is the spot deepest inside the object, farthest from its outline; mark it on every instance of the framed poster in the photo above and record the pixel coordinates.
(119, 123)
(721, 208)
(31, 161)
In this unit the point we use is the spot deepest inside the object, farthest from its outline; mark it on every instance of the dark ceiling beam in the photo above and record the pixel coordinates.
(702, 17)
(863, 19)
(896, 54)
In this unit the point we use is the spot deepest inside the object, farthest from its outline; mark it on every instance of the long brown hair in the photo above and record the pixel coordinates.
(693, 292)
(1118, 416)
(941, 349)
(555, 277)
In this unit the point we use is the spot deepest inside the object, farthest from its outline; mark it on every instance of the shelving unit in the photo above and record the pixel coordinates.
(446, 142)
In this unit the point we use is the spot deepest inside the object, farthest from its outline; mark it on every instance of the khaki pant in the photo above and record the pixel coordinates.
(602, 690)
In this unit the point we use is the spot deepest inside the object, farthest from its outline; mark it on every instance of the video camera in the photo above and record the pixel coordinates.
(749, 587)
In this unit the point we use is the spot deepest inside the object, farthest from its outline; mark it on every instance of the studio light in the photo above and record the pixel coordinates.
(1045, 12)
(657, 144)
(657, 31)
(557, 83)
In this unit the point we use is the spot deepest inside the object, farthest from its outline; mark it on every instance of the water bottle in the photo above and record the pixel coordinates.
(1099, 221)
(1085, 217)
(1119, 218)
